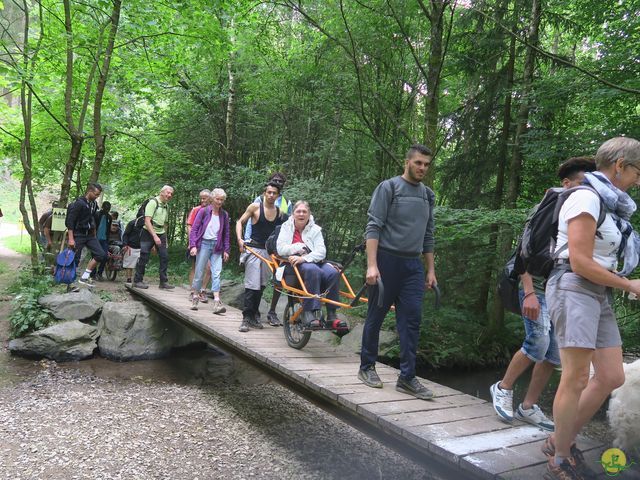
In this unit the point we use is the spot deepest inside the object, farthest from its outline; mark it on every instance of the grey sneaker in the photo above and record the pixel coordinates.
(244, 326)
(370, 377)
(272, 318)
(534, 416)
(218, 307)
(502, 402)
(254, 322)
(166, 286)
(141, 285)
(414, 387)
(194, 301)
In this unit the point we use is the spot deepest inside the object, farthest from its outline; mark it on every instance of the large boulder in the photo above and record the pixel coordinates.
(132, 331)
(82, 305)
(64, 341)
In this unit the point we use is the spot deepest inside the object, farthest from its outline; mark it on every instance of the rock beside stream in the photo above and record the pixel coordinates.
(64, 341)
(132, 331)
(82, 305)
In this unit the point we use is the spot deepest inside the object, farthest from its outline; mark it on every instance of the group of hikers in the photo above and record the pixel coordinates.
(568, 316)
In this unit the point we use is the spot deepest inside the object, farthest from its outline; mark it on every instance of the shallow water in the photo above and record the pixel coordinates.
(191, 365)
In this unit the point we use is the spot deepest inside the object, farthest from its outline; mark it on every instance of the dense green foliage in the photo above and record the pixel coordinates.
(221, 94)
(27, 315)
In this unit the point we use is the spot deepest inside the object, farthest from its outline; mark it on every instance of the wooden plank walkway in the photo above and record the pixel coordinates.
(454, 428)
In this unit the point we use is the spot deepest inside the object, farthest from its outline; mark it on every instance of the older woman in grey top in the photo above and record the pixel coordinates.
(579, 297)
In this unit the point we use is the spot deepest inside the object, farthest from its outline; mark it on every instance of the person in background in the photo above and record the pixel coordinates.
(103, 228)
(265, 217)
(131, 249)
(204, 196)
(81, 224)
(156, 214)
(116, 230)
(209, 241)
(45, 223)
(284, 205)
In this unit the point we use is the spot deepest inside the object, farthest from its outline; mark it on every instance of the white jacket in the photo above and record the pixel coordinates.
(311, 238)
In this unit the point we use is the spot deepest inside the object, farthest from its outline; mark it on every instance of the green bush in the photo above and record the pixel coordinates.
(27, 315)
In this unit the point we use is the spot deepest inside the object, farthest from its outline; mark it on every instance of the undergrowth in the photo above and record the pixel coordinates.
(27, 315)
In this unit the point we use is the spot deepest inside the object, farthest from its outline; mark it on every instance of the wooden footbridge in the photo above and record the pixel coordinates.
(456, 435)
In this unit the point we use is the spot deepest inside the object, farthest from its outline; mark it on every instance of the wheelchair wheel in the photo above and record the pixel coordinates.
(294, 332)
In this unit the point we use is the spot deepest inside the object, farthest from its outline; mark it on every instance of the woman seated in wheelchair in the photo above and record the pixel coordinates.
(300, 242)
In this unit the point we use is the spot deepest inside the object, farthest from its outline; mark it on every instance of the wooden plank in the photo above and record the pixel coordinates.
(498, 435)
(373, 411)
(489, 464)
(447, 413)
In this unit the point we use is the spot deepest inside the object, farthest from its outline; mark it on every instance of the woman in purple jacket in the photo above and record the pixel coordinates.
(209, 242)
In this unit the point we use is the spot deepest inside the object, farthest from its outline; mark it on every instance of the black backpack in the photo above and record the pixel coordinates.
(271, 245)
(536, 254)
(139, 222)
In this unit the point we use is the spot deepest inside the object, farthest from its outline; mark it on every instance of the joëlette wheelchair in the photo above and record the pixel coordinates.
(288, 280)
(290, 283)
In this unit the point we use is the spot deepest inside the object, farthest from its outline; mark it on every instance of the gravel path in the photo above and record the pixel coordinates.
(64, 423)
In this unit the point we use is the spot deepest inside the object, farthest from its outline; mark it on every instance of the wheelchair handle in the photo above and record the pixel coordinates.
(436, 302)
(363, 288)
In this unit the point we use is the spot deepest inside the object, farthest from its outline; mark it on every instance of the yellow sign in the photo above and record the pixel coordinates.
(614, 461)
(57, 222)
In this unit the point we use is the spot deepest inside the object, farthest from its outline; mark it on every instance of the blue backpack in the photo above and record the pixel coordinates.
(65, 269)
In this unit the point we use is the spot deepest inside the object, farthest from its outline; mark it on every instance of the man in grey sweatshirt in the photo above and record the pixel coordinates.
(399, 238)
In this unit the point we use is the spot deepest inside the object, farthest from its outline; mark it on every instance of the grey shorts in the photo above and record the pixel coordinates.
(130, 259)
(581, 313)
(256, 272)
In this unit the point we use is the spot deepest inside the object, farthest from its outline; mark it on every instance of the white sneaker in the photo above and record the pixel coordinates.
(502, 402)
(534, 416)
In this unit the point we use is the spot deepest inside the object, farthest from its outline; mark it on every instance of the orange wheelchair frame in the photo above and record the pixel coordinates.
(295, 333)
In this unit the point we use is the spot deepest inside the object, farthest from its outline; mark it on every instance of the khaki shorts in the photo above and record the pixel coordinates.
(581, 313)
(130, 258)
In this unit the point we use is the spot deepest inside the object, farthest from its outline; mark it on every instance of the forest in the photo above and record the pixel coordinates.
(137, 94)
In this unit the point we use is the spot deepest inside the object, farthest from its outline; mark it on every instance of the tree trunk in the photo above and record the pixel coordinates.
(523, 111)
(434, 70)
(98, 136)
(26, 97)
(229, 124)
(69, 167)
